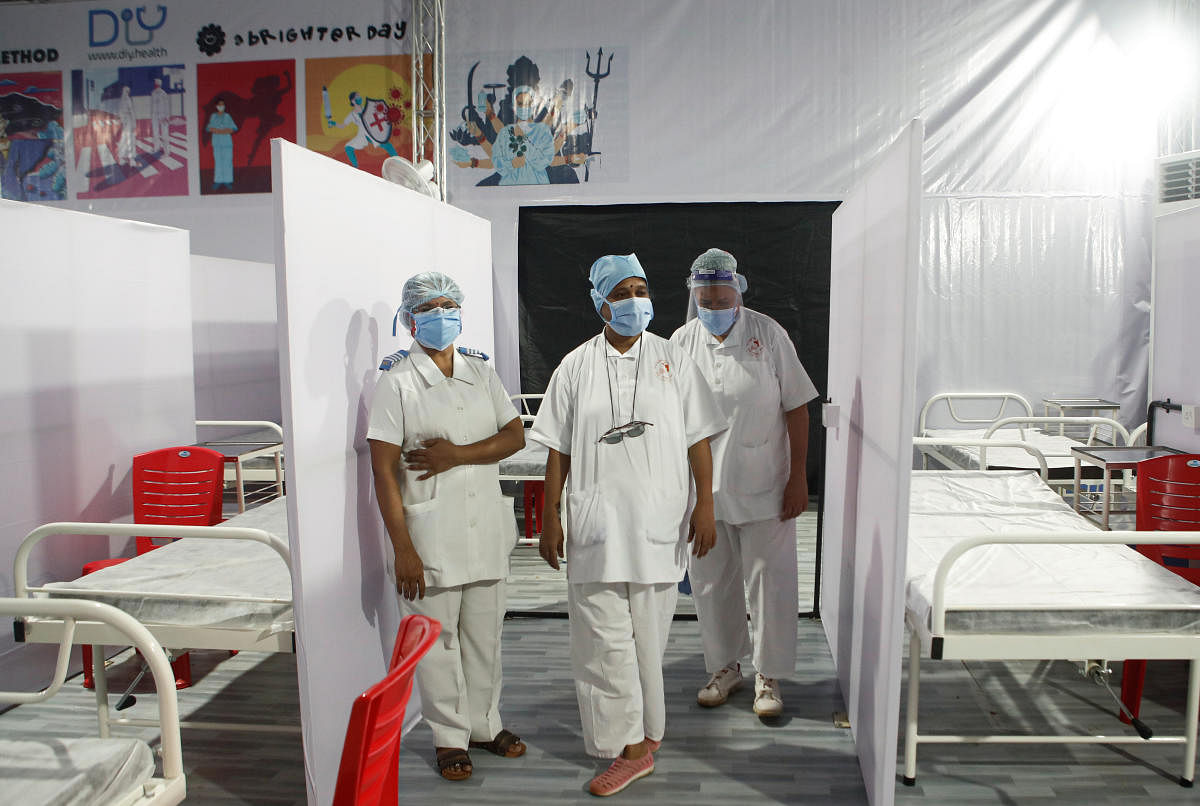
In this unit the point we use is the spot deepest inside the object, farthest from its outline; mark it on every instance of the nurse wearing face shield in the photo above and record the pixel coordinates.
(440, 423)
(761, 484)
(523, 150)
(628, 416)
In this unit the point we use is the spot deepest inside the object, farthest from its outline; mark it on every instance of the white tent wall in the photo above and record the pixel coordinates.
(96, 345)
(1037, 166)
(335, 326)
(235, 341)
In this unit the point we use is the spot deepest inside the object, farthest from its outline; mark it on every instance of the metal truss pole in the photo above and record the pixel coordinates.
(429, 87)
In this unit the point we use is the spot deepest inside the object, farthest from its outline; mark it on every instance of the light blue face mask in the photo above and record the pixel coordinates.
(630, 316)
(437, 329)
(717, 322)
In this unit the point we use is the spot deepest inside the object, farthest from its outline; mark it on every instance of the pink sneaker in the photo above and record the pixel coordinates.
(621, 774)
(653, 744)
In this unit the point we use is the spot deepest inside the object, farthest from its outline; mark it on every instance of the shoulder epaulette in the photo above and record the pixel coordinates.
(471, 351)
(392, 360)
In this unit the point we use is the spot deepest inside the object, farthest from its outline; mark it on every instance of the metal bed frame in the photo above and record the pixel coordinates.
(257, 444)
(98, 634)
(64, 619)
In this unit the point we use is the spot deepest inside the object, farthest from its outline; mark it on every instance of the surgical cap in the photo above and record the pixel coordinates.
(420, 288)
(610, 270)
(716, 267)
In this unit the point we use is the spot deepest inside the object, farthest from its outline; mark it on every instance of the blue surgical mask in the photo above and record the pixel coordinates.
(523, 112)
(437, 329)
(630, 316)
(717, 322)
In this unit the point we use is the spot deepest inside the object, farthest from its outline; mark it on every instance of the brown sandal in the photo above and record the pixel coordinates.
(505, 744)
(453, 763)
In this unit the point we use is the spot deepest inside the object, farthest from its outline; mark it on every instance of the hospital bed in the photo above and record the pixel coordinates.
(254, 453)
(527, 465)
(37, 769)
(1001, 568)
(1007, 416)
(225, 587)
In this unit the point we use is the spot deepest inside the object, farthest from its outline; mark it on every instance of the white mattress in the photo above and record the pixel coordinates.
(1031, 588)
(1056, 449)
(529, 461)
(71, 772)
(207, 566)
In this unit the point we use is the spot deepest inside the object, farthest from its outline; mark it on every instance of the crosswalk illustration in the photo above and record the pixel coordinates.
(103, 152)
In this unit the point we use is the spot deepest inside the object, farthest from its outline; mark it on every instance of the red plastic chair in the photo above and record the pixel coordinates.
(371, 753)
(535, 499)
(1168, 499)
(178, 486)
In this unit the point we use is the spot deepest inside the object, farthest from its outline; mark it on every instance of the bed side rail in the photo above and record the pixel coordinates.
(1002, 399)
(984, 444)
(938, 613)
(73, 610)
(257, 424)
(21, 563)
(1093, 422)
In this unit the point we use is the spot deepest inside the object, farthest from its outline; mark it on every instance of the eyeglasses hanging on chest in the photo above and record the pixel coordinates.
(635, 427)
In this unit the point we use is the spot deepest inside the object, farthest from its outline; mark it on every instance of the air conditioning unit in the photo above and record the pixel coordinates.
(1178, 182)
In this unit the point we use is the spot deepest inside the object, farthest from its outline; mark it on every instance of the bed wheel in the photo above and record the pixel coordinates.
(1186, 783)
(913, 781)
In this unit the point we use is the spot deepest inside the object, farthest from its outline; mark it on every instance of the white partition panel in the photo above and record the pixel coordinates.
(1175, 371)
(872, 377)
(235, 340)
(347, 241)
(96, 350)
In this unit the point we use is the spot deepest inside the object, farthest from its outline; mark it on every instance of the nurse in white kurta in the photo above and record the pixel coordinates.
(439, 424)
(761, 485)
(625, 416)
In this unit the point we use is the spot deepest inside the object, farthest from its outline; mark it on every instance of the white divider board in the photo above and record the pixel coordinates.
(346, 242)
(1175, 368)
(235, 341)
(96, 346)
(872, 378)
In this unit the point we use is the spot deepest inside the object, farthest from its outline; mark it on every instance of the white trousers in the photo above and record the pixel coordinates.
(754, 561)
(618, 637)
(460, 676)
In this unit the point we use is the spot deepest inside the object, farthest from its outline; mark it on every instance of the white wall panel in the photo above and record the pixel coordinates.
(869, 448)
(1176, 370)
(347, 241)
(96, 345)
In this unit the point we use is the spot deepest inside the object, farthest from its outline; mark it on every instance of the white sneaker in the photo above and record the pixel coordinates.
(720, 686)
(767, 699)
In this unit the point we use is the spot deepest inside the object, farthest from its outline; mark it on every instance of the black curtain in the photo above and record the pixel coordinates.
(782, 248)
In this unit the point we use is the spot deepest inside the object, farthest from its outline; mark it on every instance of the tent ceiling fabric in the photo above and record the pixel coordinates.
(1037, 171)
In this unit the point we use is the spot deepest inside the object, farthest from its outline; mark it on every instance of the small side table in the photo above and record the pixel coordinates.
(1109, 459)
(1079, 407)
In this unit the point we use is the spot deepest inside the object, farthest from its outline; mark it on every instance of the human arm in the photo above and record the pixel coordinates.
(795, 494)
(385, 465)
(558, 465)
(702, 530)
(439, 455)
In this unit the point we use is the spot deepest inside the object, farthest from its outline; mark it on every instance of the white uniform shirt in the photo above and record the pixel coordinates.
(625, 503)
(756, 377)
(460, 524)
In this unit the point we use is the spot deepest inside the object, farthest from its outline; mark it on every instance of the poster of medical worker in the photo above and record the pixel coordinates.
(541, 117)
(242, 105)
(358, 110)
(32, 161)
(130, 132)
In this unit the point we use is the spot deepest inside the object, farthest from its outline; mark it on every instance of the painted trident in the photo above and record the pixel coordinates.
(591, 111)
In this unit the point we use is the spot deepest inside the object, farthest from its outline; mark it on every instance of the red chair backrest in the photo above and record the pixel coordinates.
(371, 753)
(180, 486)
(1168, 499)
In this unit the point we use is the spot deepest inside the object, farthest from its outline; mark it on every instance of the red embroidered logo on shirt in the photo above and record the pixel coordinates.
(663, 370)
(754, 347)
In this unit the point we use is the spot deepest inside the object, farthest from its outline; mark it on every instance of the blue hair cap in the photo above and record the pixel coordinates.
(610, 270)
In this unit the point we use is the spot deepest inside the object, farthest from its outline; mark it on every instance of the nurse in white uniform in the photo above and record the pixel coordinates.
(626, 414)
(761, 485)
(439, 424)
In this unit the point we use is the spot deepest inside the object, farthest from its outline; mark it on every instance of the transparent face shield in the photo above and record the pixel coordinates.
(719, 292)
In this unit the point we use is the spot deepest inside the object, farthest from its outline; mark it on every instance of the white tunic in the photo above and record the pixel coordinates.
(756, 377)
(460, 524)
(625, 503)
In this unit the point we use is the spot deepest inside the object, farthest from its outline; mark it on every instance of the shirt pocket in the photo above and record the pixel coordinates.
(589, 518)
(664, 514)
(424, 529)
(757, 467)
